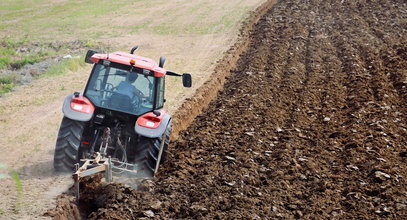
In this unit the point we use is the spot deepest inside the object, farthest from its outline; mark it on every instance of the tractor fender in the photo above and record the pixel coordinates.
(152, 126)
(73, 114)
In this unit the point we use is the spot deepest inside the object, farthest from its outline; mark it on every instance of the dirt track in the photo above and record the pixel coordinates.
(311, 124)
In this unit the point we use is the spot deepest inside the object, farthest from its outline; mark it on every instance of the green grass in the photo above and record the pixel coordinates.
(15, 54)
(29, 59)
(90, 43)
(7, 79)
(200, 23)
(19, 189)
(17, 182)
(70, 18)
(9, 58)
(19, 4)
(5, 88)
(2, 212)
(64, 66)
(10, 43)
(7, 51)
(4, 62)
(76, 19)
(37, 148)
(6, 83)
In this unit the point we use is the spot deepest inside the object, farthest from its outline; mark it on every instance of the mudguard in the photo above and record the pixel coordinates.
(152, 126)
(75, 114)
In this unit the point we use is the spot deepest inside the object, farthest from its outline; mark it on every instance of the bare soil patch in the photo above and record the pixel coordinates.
(311, 124)
(30, 115)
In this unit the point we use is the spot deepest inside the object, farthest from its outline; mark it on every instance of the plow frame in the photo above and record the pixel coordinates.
(98, 165)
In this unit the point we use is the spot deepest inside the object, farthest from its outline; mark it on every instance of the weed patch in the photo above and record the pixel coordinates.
(15, 54)
(4, 62)
(5, 88)
(30, 59)
(90, 43)
(64, 66)
(17, 182)
(6, 83)
(7, 51)
(19, 189)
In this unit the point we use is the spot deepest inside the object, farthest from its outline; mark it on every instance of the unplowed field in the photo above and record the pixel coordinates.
(310, 124)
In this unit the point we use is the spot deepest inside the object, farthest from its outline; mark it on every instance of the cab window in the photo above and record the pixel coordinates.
(160, 95)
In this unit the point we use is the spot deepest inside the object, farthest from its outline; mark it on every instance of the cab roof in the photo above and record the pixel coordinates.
(129, 59)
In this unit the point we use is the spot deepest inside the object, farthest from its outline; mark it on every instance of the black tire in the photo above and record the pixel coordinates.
(148, 150)
(68, 143)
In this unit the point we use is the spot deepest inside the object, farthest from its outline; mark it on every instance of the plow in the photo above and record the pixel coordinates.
(91, 167)
(117, 126)
(101, 163)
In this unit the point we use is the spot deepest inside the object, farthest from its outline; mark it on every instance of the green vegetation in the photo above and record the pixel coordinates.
(22, 16)
(36, 148)
(201, 21)
(2, 212)
(29, 59)
(64, 66)
(15, 54)
(75, 19)
(19, 189)
(7, 51)
(90, 43)
(4, 62)
(17, 182)
(18, 4)
(5, 88)
(10, 58)
(6, 83)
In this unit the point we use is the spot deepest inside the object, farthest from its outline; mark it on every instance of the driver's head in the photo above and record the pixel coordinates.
(132, 77)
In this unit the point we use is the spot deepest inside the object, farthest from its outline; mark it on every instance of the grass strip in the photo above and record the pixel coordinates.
(19, 189)
(66, 65)
(6, 83)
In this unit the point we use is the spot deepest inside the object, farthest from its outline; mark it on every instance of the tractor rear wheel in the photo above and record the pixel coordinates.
(148, 150)
(68, 143)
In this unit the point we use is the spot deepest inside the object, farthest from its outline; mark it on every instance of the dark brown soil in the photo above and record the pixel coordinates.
(311, 124)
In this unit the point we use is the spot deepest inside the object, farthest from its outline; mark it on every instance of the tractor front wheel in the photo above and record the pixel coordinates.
(68, 143)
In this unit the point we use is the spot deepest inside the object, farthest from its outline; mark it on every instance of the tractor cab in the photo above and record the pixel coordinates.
(125, 89)
(127, 83)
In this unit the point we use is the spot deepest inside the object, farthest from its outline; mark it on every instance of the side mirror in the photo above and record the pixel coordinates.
(89, 54)
(187, 80)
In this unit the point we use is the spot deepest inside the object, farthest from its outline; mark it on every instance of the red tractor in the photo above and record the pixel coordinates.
(119, 115)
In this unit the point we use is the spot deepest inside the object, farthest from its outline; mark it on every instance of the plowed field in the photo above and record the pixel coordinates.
(310, 124)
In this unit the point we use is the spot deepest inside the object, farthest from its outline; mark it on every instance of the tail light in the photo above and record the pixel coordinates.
(82, 104)
(150, 120)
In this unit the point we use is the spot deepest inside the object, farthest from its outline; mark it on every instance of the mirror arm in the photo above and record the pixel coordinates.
(170, 73)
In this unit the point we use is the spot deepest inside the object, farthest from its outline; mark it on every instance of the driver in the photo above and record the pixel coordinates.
(126, 87)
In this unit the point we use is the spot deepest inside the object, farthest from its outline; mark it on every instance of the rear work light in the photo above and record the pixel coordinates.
(82, 104)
